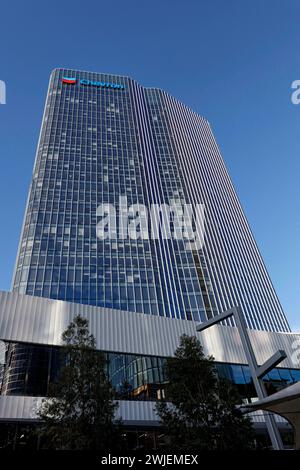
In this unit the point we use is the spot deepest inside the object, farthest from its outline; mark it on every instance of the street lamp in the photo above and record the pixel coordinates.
(257, 372)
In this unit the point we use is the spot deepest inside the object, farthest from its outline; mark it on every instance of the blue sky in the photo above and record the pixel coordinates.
(232, 61)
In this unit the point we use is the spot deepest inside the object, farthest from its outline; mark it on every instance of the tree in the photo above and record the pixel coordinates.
(200, 410)
(79, 414)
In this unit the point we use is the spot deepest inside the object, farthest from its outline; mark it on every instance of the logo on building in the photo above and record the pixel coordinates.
(69, 81)
(72, 81)
(116, 86)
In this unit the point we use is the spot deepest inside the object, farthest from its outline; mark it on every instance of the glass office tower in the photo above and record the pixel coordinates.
(105, 136)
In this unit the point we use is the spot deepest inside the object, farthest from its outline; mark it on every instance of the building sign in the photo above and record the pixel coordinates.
(72, 81)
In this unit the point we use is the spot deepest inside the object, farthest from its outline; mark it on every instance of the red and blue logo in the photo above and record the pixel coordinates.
(69, 81)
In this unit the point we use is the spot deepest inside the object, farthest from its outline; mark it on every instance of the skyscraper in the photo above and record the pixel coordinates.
(104, 137)
(112, 149)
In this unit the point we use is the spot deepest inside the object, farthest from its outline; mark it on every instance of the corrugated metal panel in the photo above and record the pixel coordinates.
(12, 408)
(137, 411)
(25, 408)
(132, 412)
(39, 320)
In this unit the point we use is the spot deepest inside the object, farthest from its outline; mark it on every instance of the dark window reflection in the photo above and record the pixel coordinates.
(30, 370)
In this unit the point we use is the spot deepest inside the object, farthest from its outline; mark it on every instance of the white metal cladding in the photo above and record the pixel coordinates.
(237, 271)
(25, 408)
(38, 320)
(132, 412)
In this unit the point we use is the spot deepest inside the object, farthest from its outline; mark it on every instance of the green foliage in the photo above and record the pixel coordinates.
(200, 409)
(79, 414)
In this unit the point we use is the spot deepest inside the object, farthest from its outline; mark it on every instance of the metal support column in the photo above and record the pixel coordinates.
(256, 372)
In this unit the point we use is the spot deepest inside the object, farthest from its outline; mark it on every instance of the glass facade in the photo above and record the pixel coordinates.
(100, 141)
(30, 369)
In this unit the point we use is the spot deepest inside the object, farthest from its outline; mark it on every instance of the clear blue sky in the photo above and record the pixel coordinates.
(232, 61)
